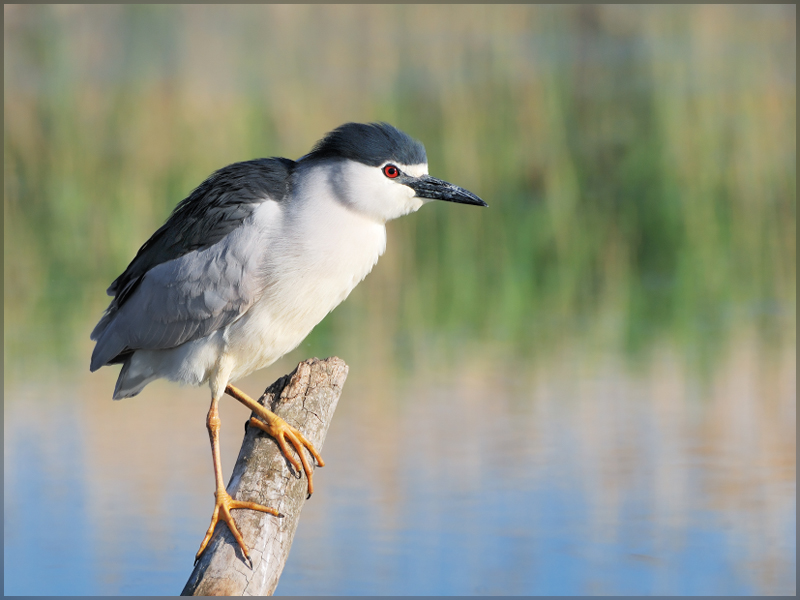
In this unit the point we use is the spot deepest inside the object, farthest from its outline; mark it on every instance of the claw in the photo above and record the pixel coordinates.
(280, 430)
(222, 510)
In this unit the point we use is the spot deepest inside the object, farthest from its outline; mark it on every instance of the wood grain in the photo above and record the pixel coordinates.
(306, 399)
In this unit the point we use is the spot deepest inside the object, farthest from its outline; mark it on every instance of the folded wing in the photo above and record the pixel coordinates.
(198, 272)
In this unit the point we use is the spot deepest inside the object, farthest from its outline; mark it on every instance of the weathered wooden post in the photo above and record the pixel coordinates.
(306, 399)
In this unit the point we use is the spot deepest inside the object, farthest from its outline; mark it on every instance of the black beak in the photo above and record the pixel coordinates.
(436, 189)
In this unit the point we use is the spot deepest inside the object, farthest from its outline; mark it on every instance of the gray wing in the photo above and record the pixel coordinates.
(183, 300)
(207, 215)
(198, 272)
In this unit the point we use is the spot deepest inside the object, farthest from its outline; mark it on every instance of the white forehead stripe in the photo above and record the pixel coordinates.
(413, 170)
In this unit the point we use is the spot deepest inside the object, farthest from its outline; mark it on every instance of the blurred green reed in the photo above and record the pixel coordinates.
(639, 164)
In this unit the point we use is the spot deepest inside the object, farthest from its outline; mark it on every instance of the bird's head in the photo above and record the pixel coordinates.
(380, 171)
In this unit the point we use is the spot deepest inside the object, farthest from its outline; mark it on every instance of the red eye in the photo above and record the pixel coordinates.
(391, 171)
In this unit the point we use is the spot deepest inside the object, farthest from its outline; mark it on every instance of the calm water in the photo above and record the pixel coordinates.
(576, 477)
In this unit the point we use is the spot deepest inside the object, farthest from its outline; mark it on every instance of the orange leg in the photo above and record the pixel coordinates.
(279, 429)
(224, 503)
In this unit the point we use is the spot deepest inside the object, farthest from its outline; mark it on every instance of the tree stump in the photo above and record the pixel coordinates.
(306, 399)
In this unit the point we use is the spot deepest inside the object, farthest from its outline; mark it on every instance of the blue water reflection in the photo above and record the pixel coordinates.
(599, 482)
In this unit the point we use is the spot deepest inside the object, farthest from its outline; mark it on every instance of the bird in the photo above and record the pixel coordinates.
(249, 263)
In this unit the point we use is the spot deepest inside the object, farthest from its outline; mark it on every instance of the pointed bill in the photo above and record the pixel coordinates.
(436, 189)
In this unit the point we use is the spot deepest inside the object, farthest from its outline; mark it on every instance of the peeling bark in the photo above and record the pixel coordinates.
(306, 399)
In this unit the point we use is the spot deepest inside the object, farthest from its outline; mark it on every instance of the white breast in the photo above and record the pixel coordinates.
(323, 251)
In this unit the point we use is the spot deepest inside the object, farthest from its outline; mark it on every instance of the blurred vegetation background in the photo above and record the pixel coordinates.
(639, 164)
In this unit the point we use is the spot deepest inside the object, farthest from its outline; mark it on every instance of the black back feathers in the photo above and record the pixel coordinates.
(214, 209)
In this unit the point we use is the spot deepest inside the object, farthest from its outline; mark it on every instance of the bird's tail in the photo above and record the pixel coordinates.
(131, 380)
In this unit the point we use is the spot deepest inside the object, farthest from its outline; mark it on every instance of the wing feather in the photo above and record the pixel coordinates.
(177, 302)
(199, 272)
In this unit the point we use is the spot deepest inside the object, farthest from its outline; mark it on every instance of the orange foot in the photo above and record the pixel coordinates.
(280, 430)
(222, 510)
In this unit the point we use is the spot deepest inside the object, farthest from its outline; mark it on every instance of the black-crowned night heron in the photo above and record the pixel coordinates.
(250, 262)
